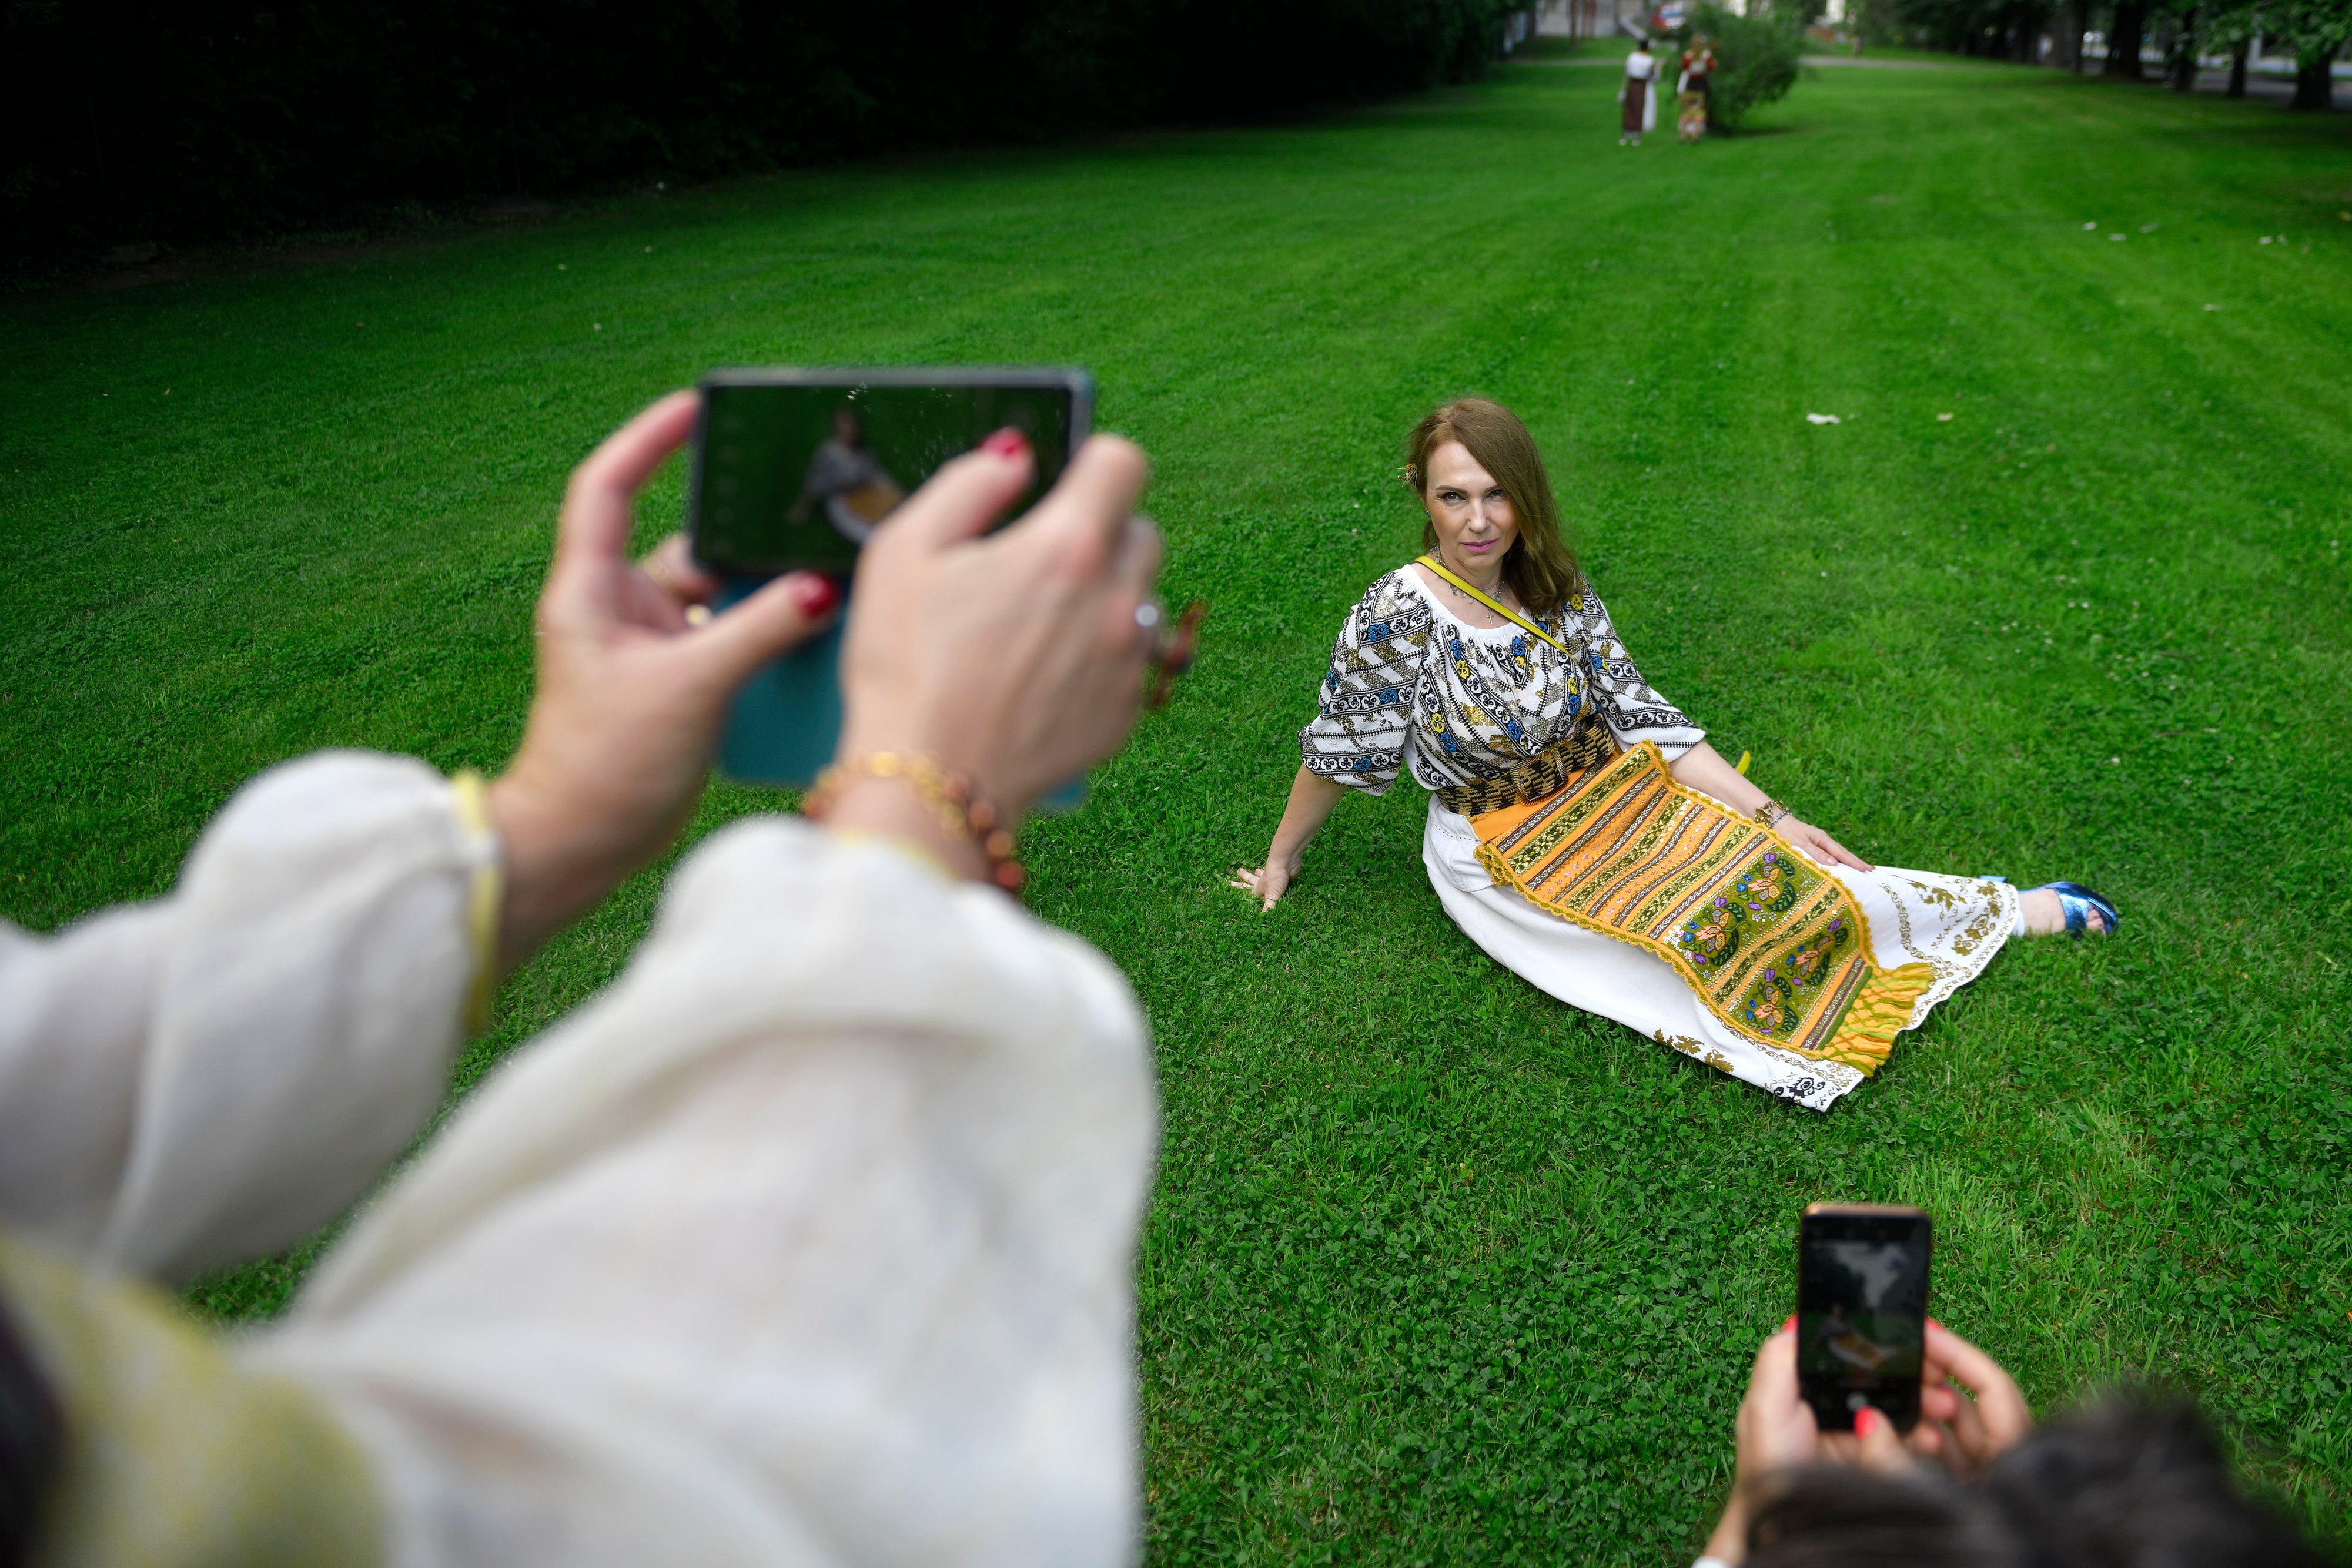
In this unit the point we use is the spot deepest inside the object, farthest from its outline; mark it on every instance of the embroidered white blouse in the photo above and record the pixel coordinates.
(1410, 684)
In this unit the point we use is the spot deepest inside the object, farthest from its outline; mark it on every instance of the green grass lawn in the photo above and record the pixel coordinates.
(1438, 1271)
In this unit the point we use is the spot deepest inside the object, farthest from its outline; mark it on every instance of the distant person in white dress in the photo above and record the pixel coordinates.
(1639, 95)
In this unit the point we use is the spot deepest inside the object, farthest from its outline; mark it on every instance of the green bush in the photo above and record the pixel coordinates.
(1755, 62)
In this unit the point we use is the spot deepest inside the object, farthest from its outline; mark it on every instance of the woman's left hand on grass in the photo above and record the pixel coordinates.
(632, 690)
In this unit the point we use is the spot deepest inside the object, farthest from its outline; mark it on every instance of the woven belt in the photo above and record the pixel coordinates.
(1544, 774)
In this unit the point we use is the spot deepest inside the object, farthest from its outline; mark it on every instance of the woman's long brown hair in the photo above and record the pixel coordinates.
(1540, 568)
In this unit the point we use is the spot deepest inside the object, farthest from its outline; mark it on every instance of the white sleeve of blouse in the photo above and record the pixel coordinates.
(1362, 732)
(214, 1075)
(1632, 709)
(812, 1239)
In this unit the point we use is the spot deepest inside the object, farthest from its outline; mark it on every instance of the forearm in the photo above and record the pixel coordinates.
(1729, 1542)
(1702, 767)
(557, 866)
(1313, 799)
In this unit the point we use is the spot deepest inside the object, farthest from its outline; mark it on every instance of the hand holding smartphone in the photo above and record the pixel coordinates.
(794, 469)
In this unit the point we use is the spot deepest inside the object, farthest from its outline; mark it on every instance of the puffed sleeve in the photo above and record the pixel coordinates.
(214, 1075)
(1627, 703)
(810, 1239)
(1364, 722)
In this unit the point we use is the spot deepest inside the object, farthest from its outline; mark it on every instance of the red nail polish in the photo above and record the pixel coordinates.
(815, 594)
(1866, 1421)
(1789, 1324)
(1007, 443)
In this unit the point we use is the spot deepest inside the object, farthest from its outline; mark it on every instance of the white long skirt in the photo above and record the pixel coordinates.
(1953, 924)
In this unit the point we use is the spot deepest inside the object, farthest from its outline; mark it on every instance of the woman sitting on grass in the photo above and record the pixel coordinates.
(1583, 832)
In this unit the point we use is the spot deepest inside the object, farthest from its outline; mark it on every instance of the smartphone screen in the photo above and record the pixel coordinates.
(794, 470)
(1862, 1312)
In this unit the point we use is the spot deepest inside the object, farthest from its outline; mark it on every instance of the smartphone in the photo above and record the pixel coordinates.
(1862, 1310)
(793, 470)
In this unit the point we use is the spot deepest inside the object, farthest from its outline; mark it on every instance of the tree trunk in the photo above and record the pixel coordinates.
(2315, 81)
(2238, 69)
(2184, 55)
(2078, 22)
(2124, 40)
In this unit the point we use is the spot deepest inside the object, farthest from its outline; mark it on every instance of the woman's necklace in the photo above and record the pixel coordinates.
(1504, 595)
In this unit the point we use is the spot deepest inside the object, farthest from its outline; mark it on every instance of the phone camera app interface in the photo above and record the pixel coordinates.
(1862, 1304)
(797, 477)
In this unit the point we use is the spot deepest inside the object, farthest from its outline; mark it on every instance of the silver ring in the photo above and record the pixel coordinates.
(1147, 615)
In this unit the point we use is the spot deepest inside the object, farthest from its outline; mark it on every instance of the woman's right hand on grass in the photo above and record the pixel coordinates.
(1312, 798)
(1270, 880)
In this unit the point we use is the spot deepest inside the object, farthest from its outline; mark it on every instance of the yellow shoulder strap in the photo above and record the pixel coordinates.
(1506, 611)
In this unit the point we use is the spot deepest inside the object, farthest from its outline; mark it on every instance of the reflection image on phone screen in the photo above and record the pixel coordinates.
(1862, 1312)
(794, 470)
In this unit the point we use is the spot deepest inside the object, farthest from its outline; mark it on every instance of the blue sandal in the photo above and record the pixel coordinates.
(2077, 902)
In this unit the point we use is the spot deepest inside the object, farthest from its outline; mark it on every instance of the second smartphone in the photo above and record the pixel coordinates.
(1862, 1310)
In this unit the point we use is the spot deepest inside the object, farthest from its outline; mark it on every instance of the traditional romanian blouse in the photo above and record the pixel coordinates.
(1462, 704)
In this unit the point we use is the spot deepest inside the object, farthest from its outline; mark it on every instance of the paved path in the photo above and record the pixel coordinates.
(1618, 63)
(1870, 64)
(2259, 85)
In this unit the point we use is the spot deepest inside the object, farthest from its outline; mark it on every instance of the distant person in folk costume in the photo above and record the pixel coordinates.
(1639, 95)
(1695, 89)
(1583, 832)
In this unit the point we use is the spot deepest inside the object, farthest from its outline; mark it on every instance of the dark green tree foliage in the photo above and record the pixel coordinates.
(1998, 29)
(132, 119)
(2319, 32)
(1756, 61)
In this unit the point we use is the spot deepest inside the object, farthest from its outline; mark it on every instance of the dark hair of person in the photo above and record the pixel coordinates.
(2125, 1483)
(1540, 568)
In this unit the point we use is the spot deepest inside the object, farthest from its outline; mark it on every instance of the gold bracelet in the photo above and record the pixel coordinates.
(1764, 813)
(948, 794)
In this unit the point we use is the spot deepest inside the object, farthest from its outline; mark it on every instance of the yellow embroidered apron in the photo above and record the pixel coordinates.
(1772, 945)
